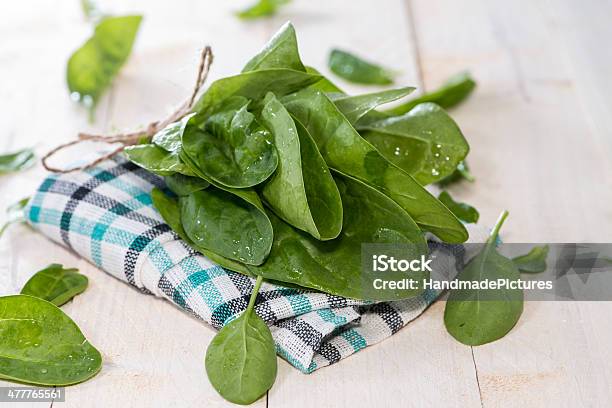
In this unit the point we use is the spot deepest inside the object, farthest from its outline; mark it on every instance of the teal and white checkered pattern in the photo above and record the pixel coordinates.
(106, 216)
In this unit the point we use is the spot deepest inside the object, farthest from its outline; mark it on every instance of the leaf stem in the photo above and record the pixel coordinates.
(498, 225)
(254, 294)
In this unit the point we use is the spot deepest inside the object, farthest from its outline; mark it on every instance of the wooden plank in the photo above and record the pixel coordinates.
(535, 153)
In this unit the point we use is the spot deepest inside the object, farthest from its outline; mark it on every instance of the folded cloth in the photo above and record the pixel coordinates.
(105, 215)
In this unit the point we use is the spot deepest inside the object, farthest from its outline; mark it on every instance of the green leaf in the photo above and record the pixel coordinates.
(233, 148)
(14, 214)
(354, 69)
(345, 150)
(462, 172)
(56, 284)
(263, 8)
(454, 91)
(302, 191)
(227, 225)
(335, 266)
(253, 85)
(170, 211)
(324, 84)
(169, 138)
(182, 185)
(462, 211)
(17, 161)
(534, 261)
(241, 358)
(425, 142)
(356, 107)
(280, 52)
(479, 316)
(42, 345)
(92, 67)
(157, 160)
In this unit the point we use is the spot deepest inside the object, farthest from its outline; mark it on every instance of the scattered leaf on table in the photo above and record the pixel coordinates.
(462, 211)
(534, 261)
(241, 358)
(56, 284)
(354, 69)
(42, 345)
(263, 8)
(14, 214)
(92, 67)
(477, 316)
(19, 160)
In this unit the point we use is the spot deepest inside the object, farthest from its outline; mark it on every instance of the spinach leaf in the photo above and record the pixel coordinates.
(234, 149)
(17, 161)
(280, 52)
(451, 93)
(252, 85)
(92, 67)
(169, 138)
(356, 107)
(479, 316)
(182, 185)
(157, 160)
(302, 191)
(263, 8)
(42, 345)
(324, 84)
(355, 69)
(534, 261)
(14, 214)
(425, 142)
(335, 266)
(56, 284)
(462, 172)
(227, 225)
(462, 211)
(170, 211)
(345, 150)
(241, 358)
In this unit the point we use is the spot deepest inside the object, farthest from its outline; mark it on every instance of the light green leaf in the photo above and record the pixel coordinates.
(263, 8)
(280, 52)
(354, 69)
(534, 261)
(56, 284)
(14, 214)
(356, 107)
(17, 161)
(462, 211)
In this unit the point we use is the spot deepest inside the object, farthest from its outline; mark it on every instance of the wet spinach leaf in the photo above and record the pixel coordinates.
(14, 214)
(16, 161)
(462, 172)
(479, 316)
(263, 8)
(425, 142)
(241, 358)
(335, 266)
(354, 69)
(324, 84)
(56, 284)
(182, 185)
(345, 150)
(462, 211)
(92, 67)
(157, 160)
(534, 261)
(454, 91)
(302, 191)
(280, 52)
(42, 345)
(356, 107)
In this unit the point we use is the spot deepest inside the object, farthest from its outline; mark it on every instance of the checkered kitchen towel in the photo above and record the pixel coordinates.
(106, 216)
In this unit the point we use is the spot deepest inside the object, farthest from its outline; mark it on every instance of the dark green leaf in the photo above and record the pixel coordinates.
(56, 284)
(451, 93)
(93, 66)
(462, 172)
(479, 316)
(184, 185)
(356, 107)
(355, 69)
(302, 191)
(42, 345)
(14, 214)
(345, 150)
(462, 211)
(280, 52)
(335, 266)
(534, 261)
(263, 8)
(241, 358)
(425, 142)
(17, 161)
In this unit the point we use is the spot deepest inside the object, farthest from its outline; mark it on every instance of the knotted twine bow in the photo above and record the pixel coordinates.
(132, 138)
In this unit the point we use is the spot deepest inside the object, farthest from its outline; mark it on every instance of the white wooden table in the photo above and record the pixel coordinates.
(540, 128)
